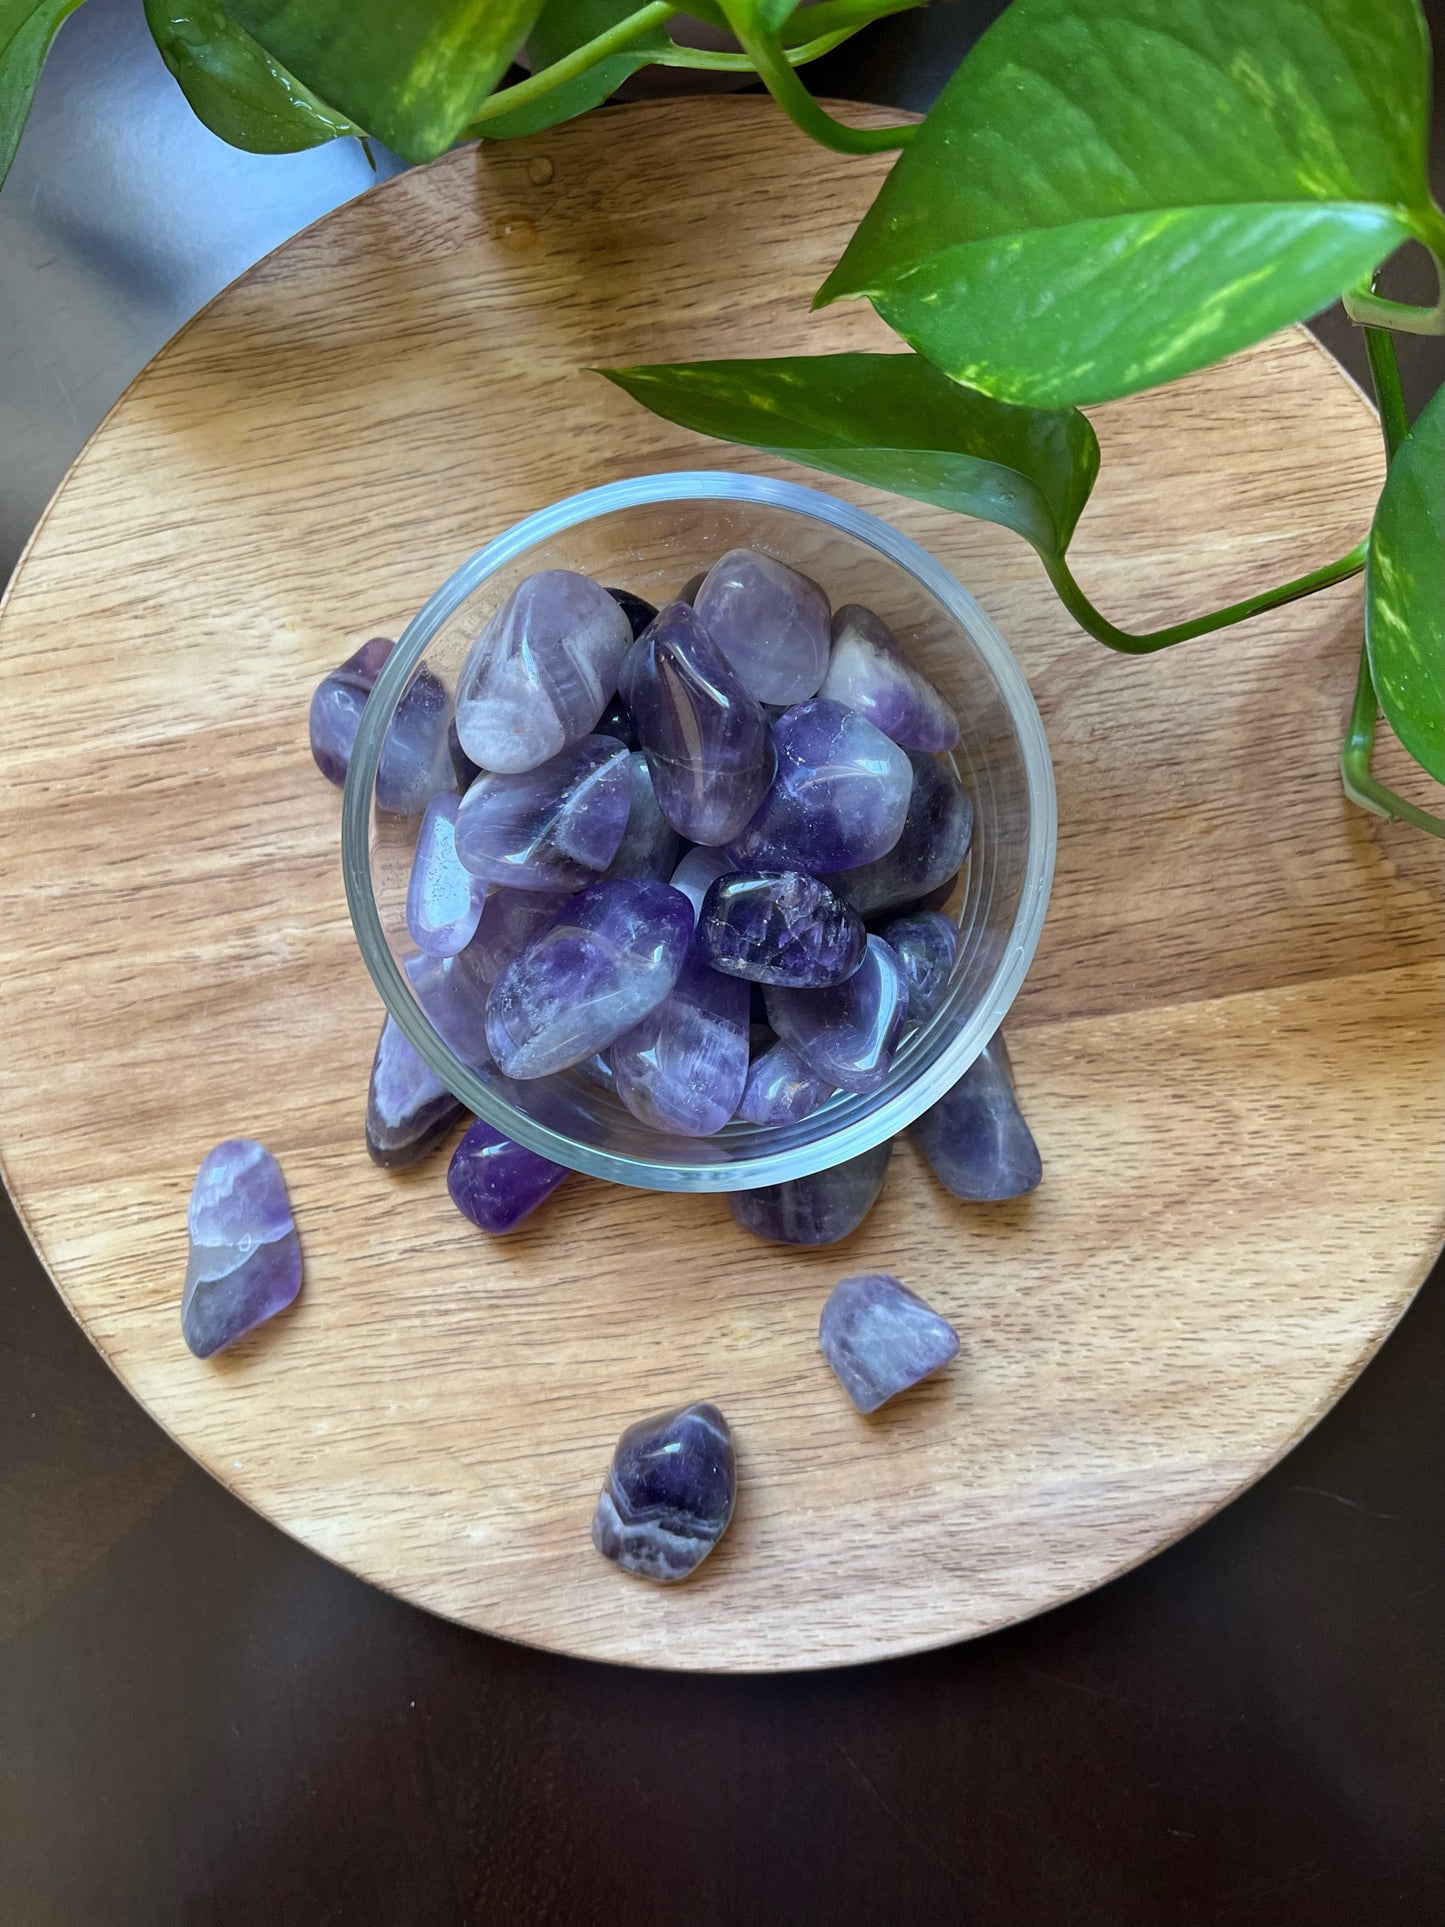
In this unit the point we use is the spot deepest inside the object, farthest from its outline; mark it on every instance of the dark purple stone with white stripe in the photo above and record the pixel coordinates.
(496, 1182)
(669, 1494)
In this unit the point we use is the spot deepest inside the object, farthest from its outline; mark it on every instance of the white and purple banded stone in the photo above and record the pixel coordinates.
(816, 1210)
(684, 1066)
(880, 1338)
(975, 1137)
(925, 943)
(244, 1261)
(782, 928)
(443, 899)
(408, 1108)
(496, 1182)
(669, 1494)
(846, 1034)
(770, 622)
(870, 673)
(935, 839)
(650, 846)
(556, 827)
(416, 757)
(780, 1088)
(336, 706)
(542, 671)
(839, 797)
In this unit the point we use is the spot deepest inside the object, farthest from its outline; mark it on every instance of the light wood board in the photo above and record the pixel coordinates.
(1230, 1044)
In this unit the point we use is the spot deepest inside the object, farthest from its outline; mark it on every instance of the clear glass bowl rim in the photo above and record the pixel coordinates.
(852, 1137)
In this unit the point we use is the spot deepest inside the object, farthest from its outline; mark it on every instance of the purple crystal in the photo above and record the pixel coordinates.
(650, 846)
(683, 1067)
(541, 672)
(817, 1210)
(608, 957)
(416, 758)
(408, 1108)
(697, 870)
(925, 944)
(669, 1494)
(880, 1338)
(838, 799)
(616, 720)
(244, 1262)
(638, 612)
(935, 838)
(783, 928)
(453, 993)
(497, 1183)
(552, 828)
(771, 623)
(707, 742)
(870, 673)
(781, 1089)
(847, 1034)
(509, 921)
(336, 706)
(443, 901)
(975, 1138)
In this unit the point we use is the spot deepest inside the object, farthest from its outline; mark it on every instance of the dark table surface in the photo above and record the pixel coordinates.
(202, 1722)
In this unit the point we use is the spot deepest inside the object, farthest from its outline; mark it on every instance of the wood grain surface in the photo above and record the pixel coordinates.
(1229, 1044)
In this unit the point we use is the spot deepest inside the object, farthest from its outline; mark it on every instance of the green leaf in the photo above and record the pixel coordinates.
(562, 27)
(412, 72)
(1110, 193)
(1405, 591)
(896, 423)
(234, 85)
(27, 28)
(747, 17)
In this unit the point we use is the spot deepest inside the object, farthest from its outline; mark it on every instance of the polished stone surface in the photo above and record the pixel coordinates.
(870, 673)
(816, 1210)
(453, 993)
(684, 1066)
(708, 742)
(847, 1034)
(880, 1338)
(650, 846)
(443, 900)
(935, 839)
(408, 1108)
(542, 671)
(925, 943)
(608, 957)
(556, 827)
(509, 921)
(700, 868)
(782, 928)
(770, 622)
(416, 758)
(838, 798)
(497, 1183)
(780, 1089)
(975, 1138)
(336, 706)
(669, 1494)
(244, 1261)
(637, 610)
(616, 720)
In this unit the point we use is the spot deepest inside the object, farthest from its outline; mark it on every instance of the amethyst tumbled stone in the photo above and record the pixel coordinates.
(780, 1088)
(684, 1066)
(816, 1210)
(556, 827)
(608, 957)
(497, 1183)
(453, 993)
(925, 944)
(244, 1263)
(669, 1494)
(839, 797)
(416, 758)
(542, 671)
(781, 928)
(509, 921)
(708, 742)
(975, 1138)
(880, 1338)
(700, 868)
(637, 611)
(408, 1108)
(443, 900)
(336, 707)
(846, 1034)
(770, 622)
(933, 844)
(650, 846)
(870, 673)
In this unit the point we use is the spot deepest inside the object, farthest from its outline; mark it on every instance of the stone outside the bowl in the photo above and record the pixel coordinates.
(708, 743)
(650, 846)
(336, 706)
(684, 1066)
(416, 759)
(934, 842)
(870, 673)
(975, 1137)
(782, 928)
(816, 1210)
(556, 827)
(496, 1182)
(838, 799)
(408, 1108)
(608, 957)
(669, 1494)
(772, 624)
(925, 944)
(879, 1337)
(780, 1089)
(847, 1034)
(542, 671)
(443, 900)
(244, 1259)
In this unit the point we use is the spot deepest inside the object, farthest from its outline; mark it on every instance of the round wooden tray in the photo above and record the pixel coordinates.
(1229, 1044)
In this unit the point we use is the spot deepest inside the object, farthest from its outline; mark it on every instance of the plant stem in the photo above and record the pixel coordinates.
(1390, 396)
(536, 86)
(1369, 309)
(798, 104)
(1099, 626)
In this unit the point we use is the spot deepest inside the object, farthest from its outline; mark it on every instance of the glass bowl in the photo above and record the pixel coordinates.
(650, 535)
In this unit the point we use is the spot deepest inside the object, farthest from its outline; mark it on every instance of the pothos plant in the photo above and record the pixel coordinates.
(1107, 195)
